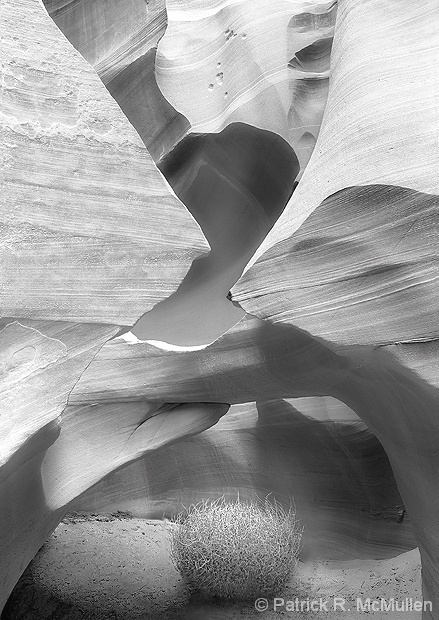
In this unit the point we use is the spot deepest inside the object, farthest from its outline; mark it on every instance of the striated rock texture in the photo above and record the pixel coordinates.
(119, 40)
(40, 362)
(86, 213)
(259, 360)
(86, 247)
(225, 181)
(353, 258)
(265, 64)
(298, 142)
(315, 450)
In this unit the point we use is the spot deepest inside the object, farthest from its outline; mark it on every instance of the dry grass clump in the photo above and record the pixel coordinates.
(236, 550)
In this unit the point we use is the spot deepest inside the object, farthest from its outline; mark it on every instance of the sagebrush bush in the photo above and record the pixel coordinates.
(236, 550)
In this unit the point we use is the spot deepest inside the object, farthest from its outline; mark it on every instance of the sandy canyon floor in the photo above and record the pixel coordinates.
(114, 567)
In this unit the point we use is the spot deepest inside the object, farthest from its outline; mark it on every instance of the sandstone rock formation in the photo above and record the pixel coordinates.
(376, 160)
(265, 64)
(300, 140)
(315, 450)
(86, 247)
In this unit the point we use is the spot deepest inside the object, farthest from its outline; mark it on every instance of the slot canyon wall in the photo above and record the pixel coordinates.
(219, 233)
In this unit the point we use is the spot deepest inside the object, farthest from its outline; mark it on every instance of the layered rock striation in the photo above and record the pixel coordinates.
(287, 152)
(86, 247)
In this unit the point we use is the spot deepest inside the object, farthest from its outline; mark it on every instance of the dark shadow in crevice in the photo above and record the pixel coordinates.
(236, 184)
(313, 58)
(340, 478)
(336, 471)
(25, 518)
(156, 121)
(119, 41)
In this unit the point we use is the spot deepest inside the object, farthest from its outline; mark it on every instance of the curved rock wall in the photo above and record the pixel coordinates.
(315, 450)
(220, 63)
(86, 247)
(376, 160)
(119, 40)
(303, 145)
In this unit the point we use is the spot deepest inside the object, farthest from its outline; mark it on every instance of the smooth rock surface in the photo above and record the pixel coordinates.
(52, 453)
(86, 247)
(85, 212)
(381, 115)
(343, 287)
(235, 184)
(258, 359)
(119, 40)
(377, 151)
(40, 362)
(315, 450)
(265, 64)
(362, 269)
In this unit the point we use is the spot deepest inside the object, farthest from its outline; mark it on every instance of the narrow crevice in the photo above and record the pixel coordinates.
(235, 183)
